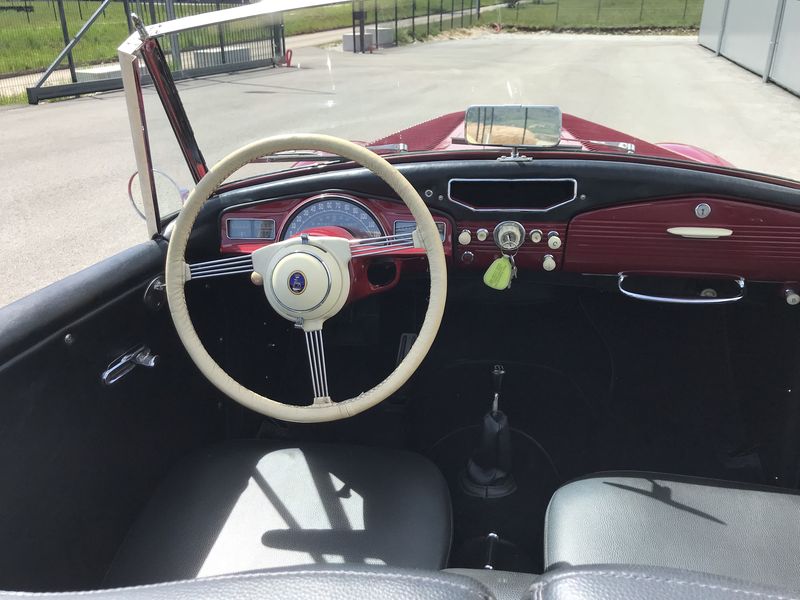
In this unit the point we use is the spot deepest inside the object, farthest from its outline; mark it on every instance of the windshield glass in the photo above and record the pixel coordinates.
(653, 90)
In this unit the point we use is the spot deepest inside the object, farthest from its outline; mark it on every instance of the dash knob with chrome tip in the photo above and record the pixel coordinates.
(536, 236)
(465, 237)
(553, 241)
(482, 234)
(792, 297)
(467, 258)
(548, 262)
(256, 278)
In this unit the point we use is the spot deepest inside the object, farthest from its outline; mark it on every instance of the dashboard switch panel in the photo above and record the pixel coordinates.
(528, 253)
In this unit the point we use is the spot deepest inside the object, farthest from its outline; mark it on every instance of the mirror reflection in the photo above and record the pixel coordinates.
(513, 125)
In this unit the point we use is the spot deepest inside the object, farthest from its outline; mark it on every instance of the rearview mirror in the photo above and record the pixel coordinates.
(513, 125)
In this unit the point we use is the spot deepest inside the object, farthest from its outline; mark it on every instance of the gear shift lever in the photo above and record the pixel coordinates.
(488, 473)
(497, 379)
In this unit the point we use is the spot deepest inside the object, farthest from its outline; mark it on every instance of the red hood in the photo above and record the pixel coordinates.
(438, 133)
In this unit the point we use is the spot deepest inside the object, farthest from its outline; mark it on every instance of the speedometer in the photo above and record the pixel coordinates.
(338, 211)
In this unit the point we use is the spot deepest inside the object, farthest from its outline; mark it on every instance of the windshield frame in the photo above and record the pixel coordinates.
(144, 42)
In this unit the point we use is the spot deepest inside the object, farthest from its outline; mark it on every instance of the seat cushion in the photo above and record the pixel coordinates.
(250, 505)
(297, 583)
(716, 527)
(613, 582)
(504, 585)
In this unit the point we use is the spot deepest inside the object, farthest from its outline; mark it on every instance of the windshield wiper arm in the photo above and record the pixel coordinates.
(328, 158)
(628, 147)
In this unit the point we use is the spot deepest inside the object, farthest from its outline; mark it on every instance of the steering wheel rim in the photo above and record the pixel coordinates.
(177, 273)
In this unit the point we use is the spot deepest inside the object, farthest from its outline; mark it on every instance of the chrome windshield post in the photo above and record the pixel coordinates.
(129, 66)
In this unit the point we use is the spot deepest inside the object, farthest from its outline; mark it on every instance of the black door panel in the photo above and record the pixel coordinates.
(78, 459)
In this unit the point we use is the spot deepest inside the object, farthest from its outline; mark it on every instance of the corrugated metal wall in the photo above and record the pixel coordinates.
(786, 63)
(762, 36)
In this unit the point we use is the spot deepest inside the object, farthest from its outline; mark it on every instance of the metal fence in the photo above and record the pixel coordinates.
(34, 32)
(379, 23)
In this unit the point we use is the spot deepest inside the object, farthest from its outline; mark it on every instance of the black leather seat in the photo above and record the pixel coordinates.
(250, 505)
(717, 527)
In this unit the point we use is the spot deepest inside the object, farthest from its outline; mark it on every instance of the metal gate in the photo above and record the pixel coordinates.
(231, 47)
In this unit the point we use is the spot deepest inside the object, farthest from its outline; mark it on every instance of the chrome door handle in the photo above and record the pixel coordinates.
(700, 233)
(121, 366)
(739, 281)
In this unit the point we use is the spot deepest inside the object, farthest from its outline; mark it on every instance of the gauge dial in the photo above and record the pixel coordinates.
(509, 235)
(333, 211)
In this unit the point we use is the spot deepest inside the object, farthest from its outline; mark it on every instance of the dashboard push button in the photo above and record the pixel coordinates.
(465, 237)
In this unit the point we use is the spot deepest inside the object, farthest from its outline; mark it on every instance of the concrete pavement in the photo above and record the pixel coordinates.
(64, 166)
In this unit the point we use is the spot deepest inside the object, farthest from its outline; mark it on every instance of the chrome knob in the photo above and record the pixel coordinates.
(482, 234)
(548, 262)
(553, 241)
(467, 257)
(536, 236)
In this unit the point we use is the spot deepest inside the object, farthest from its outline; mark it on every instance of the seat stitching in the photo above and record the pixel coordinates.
(401, 576)
(636, 576)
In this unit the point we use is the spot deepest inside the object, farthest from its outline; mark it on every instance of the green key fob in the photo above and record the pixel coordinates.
(499, 274)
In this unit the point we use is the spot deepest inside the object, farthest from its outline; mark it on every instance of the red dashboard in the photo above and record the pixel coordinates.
(691, 235)
(687, 236)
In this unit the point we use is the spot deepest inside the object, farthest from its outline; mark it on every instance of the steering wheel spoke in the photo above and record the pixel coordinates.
(316, 362)
(386, 244)
(222, 266)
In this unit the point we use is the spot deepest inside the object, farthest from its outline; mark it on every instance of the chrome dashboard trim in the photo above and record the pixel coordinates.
(674, 300)
(228, 220)
(512, 210)
(442, 223)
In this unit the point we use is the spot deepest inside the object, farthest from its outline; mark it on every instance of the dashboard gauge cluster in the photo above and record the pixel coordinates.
(251, 229)
(339, 211)
(401, 227)
(248, 227)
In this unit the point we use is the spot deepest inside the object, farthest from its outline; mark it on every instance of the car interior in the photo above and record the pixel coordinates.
(513, 369)
(608, 408)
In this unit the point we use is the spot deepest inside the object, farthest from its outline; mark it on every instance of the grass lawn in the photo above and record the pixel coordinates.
(31, 40)
(600, 14)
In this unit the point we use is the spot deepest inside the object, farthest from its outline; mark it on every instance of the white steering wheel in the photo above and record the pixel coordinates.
(306, 279)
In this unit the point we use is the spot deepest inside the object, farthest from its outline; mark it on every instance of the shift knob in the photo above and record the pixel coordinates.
(497, 379)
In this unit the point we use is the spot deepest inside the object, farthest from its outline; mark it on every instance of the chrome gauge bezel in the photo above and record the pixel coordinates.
(326, 197)
(503, 225)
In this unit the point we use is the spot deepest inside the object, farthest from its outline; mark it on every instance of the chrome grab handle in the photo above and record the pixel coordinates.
(677, 300)
(137, 356)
